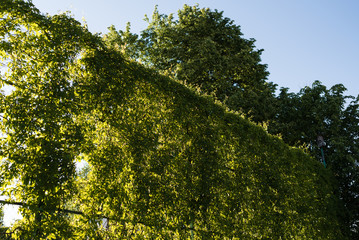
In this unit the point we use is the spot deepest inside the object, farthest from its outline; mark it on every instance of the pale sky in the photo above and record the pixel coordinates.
(303, 40)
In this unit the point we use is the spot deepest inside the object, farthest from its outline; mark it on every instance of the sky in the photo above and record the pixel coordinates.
(303, 41)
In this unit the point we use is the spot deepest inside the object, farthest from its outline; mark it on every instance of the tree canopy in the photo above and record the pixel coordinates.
(202, 48)
(315, 111)
(164, 161)
(206, 50)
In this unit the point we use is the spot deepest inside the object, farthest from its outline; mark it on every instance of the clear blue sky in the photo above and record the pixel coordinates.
(302, 40)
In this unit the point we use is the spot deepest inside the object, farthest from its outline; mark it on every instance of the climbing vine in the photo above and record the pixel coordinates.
(165, 162)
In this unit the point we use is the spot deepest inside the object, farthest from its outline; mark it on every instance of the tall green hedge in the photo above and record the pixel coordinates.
(166, 163)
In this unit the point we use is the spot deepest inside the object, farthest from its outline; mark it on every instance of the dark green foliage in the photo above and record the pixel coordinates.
(203, 49)
(163, 160)
(317, 110)
(174, 158)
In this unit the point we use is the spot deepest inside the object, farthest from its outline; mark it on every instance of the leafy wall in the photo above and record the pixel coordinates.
(167, 159)
(165, 162)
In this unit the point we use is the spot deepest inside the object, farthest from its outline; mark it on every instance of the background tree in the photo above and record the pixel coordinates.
(317, 110)
(206, 50)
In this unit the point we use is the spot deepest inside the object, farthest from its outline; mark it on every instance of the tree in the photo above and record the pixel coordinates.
(40, 136)
(165, 161)
(317, 111)
(206, 50)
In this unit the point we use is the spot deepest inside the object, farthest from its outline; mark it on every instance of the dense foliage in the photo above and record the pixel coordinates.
(164, 161)
(317, 111)
(206, 50)
(42, 137)
(202, 48)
